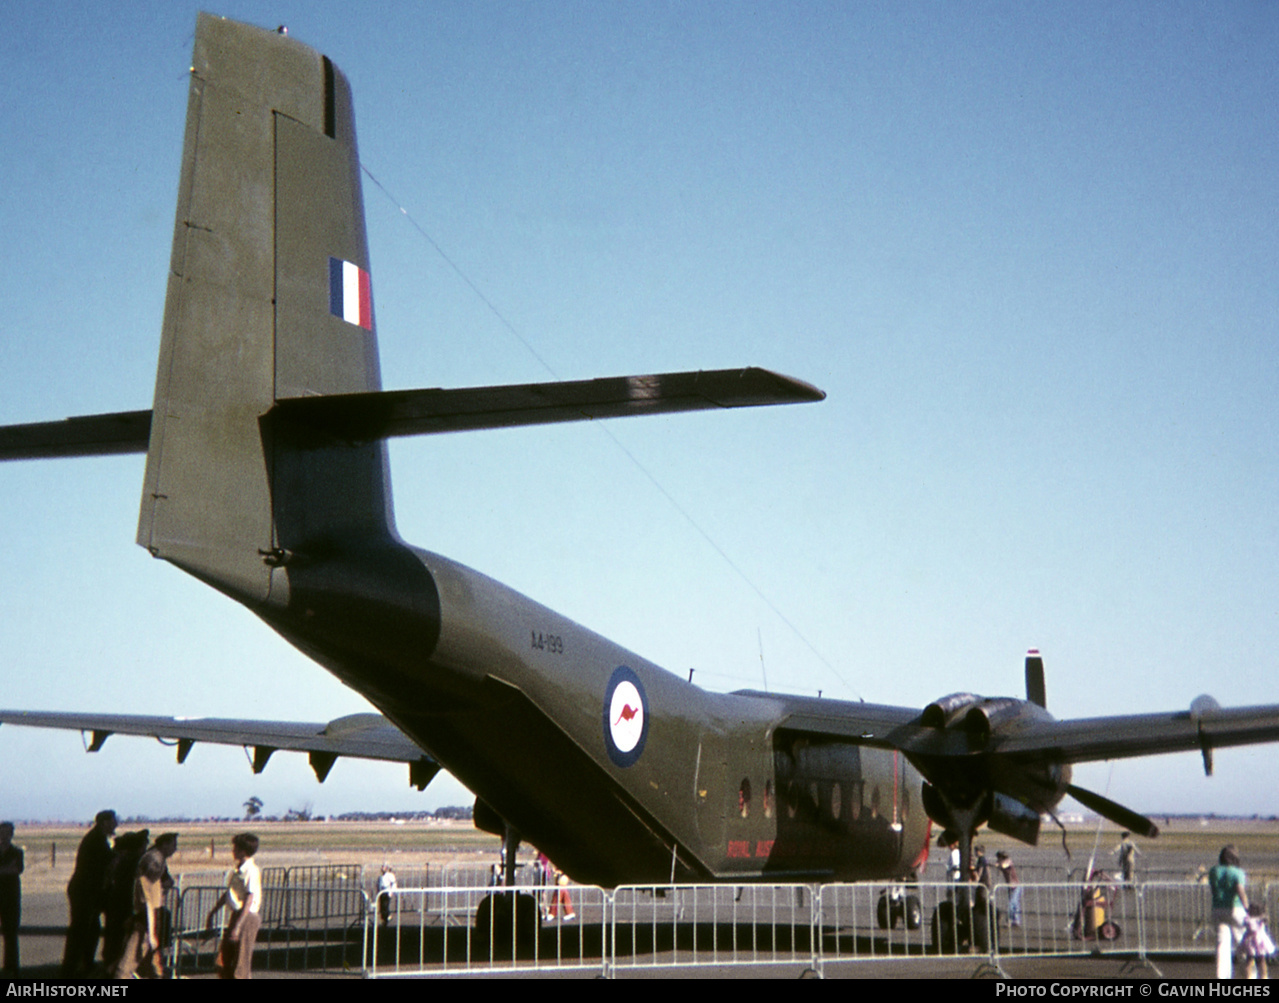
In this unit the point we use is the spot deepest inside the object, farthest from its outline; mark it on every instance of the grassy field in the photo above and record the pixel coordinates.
(1184, 845)
(206, 846)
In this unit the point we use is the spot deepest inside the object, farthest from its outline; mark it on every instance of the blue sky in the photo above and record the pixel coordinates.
(1029, 252)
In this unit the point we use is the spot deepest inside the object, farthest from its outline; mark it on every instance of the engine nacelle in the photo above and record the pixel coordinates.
(946, 711)
(970, 783)
(980, 717)
(936, 807)
(989, 716)
(999, 811)
(1013, 818)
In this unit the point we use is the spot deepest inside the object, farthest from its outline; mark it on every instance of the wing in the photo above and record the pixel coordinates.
(1204, 727)
(360, 736)
(1004, 760)
(964, 725)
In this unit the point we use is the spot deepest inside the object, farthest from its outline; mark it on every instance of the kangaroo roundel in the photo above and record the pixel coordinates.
(625, 717)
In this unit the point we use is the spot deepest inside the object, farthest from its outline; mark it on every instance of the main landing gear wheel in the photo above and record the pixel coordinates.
(894, 907)
(507, 926)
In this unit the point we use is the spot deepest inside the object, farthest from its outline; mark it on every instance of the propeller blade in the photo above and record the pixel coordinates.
(1035, 691)
(1124, 817)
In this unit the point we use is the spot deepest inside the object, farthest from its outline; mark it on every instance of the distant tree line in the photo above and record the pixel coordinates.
(304, 814)
(452, 812)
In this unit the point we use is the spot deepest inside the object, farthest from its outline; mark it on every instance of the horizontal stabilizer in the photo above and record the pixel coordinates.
(86, 435)
(384, 414)
(364, 416)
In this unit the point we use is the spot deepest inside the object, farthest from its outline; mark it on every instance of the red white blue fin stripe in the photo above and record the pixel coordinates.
(350, 293)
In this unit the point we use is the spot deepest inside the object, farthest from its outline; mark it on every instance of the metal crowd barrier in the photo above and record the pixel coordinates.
(322, 918)
(452, 931)
(674, 927)
(868, 922)
(1176, 917)
(1048, 920)
(313, 918)
(481, 929)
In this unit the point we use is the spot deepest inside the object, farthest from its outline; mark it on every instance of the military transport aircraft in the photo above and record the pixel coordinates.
(266, 478)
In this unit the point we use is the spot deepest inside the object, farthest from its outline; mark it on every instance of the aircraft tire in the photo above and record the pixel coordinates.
(497, 931)
(943, 929)
(884, 917)
(914, 913)
(981, 929)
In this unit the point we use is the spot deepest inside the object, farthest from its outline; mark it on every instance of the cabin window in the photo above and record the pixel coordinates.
(792, 799)
(768, 799)
(744, 798)
(855, 799)
(836, 801)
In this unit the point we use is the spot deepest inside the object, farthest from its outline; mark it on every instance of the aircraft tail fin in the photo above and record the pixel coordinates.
(1036, 690)
(265, 439)
(268, 298)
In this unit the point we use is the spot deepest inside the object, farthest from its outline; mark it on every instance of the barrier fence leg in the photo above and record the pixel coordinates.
(1142, 960)
(991, 967)
(608, 933)
(816, 961)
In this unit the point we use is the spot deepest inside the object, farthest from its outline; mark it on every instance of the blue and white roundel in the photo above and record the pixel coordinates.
(625, 717)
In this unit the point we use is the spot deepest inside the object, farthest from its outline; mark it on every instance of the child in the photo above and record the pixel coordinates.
(1256, 946)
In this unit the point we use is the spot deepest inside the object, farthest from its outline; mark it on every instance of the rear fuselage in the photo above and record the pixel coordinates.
(618, 769)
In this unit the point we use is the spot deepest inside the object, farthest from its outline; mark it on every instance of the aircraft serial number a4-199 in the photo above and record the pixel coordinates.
(268, 481)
